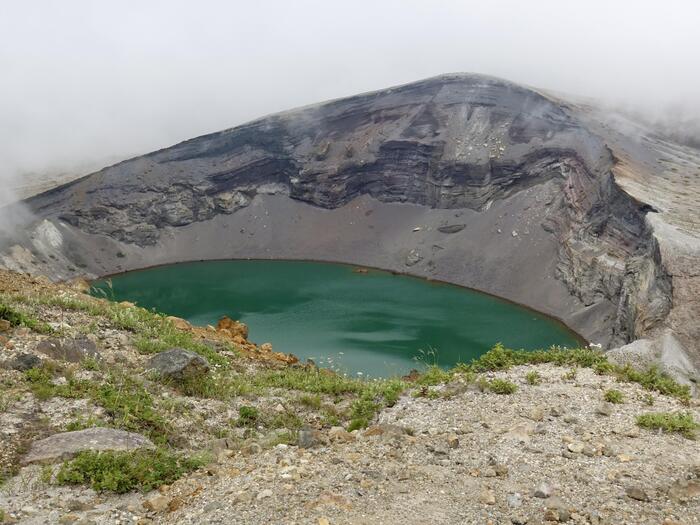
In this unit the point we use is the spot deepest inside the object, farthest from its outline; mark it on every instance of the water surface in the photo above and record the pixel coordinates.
(374, 323)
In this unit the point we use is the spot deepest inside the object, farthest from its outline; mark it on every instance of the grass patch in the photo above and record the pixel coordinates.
(614, 396)
(155, 332)
(310, 401)
(122, 472)
(681, 422)
(501, 386)
(434, 375)
(533, 378)
(127, 404)
(17, 318)
(247, 417)
(501, 358)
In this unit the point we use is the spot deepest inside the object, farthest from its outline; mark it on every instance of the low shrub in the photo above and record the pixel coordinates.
(614, 396)
(122, 472)
(682, 422)
(501, 386)
(533, 378)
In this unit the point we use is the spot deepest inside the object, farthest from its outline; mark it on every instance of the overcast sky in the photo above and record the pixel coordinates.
(83, 83)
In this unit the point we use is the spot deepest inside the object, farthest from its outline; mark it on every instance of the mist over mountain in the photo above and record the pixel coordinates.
(86, 84)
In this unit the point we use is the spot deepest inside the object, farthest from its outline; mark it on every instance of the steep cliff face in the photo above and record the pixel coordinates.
(456, 142)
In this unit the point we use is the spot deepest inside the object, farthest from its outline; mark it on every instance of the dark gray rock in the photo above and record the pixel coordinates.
(24, 362)
(71, 350)
(179, 365)
(67, 444)
(451, 228)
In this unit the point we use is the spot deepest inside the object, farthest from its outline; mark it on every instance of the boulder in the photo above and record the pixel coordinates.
(665, 352)
(71, 350)
(179, 365)
(65, 445)
(23, 362)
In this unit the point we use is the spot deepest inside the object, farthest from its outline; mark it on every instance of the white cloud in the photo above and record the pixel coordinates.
(85, 83)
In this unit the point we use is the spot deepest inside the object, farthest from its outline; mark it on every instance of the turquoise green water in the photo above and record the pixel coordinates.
(373, 323)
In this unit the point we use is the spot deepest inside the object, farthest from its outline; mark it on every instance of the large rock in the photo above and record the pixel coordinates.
(71, 350)
(23, 362)
(179, 365)
(65, 445)
(664, 352)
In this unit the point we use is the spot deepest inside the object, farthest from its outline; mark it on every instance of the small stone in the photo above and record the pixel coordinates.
(340, 435)
(636, 492)
(308, 438)
(514, 500)
(518, 519)
(452, 441)
(157, 503)
(589, 451)
(557, 510)
(487, 497)
(576, 447)
(68, 518)
(323, 521)
(263, 494)
(242, 497)
(250, 449)
(5, 325)
(77, 505)
(543, 490)
(536, 413)
(604, 409)
(683, 490)
(501, 470)
(556, 411)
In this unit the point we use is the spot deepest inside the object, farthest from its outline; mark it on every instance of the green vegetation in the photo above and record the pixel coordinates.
(501, 386)
(154, 331)
(247, 416)
(310, 401)
(614, 396)
(500, 358)
(17, 318)
(121, 472)
(434, 375)
(127, 403)
(571, 374)
(533, 378)
(681, 422)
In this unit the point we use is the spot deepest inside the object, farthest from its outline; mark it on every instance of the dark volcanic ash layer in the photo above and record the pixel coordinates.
(462, 178)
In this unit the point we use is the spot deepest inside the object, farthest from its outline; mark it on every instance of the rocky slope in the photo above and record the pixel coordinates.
(462, 178)
(500, 442)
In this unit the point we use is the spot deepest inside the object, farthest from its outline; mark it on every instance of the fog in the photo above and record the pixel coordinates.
(87, 83)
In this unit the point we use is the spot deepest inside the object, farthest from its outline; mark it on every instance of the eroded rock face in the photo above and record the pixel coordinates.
(451, 142)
